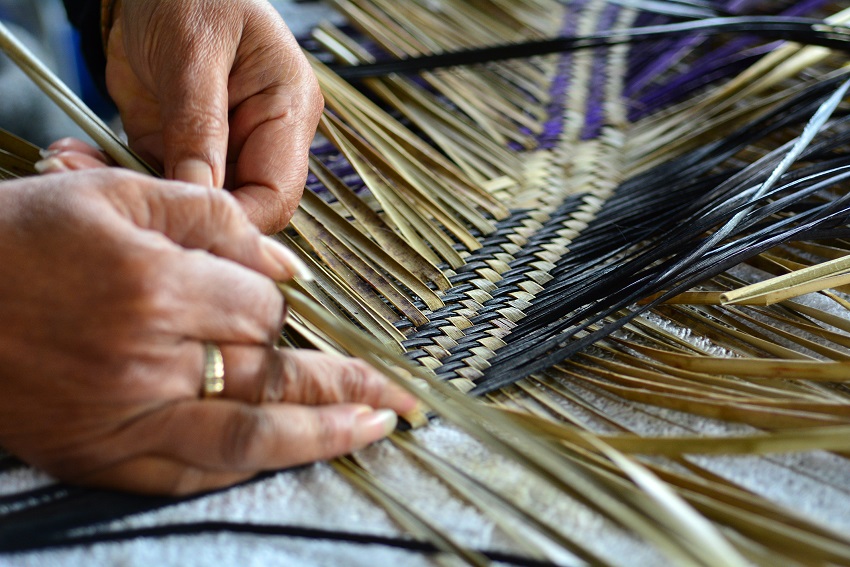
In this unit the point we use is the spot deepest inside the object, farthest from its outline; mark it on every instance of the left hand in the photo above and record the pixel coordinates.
(112, 284)
(218, 94)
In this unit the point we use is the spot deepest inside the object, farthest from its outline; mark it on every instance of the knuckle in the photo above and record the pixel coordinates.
(316, 98)
(149, 291)
(311, 101)
(199, 119)
(244, 436)
(360, 382)
(273, 388)
(290, 376)
(272, 307)
(332, 438)
(224, 208)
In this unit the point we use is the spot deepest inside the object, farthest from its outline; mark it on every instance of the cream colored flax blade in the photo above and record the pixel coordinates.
(754, 518)
(741, 412)
(680, 516)
(816, 278)
(765, 523)
(417, 230)
(760, 520)
(538, 457)
(430, 191)
(473, 152)
(470, 149)
(835, 438)
(811, 329)
(510, 516)
(367, 219)
(331, 221)
(412, 522)
(70, 103)
(392, 37)
(824, 317)
(717, 389)
(361, 276)
(347, 245)
(422, 178)
(825, 405)
(341, 302)
(353, 105)
(813, 370)
(720, 328)
(657, 371)
(815, 344)
(789, 537)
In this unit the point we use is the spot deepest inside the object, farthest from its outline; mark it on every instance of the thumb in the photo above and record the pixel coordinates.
(195, 130)
(194, 105)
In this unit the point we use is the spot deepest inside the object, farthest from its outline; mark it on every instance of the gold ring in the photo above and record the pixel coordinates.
(213, 371)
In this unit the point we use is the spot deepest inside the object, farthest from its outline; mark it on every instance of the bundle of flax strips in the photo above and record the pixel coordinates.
(620, 264)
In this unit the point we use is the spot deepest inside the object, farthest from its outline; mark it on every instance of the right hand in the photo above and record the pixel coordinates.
(217, 93)
(111, 284)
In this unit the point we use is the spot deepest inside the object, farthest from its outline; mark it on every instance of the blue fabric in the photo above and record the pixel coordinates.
(85, 16)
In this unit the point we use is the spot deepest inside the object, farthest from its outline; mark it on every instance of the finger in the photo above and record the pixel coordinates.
(270, 142)
(51, 165)
(68, 160)
(257, 374)
(276, 104)
(159, 475)
(204, 219)
(79, 146)
(229, 436)
(273, 142)
(195, 117)
(218, 300)
(253, 374)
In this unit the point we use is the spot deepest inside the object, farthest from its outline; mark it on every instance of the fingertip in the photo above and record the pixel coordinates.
(195, 171)
(288, 264)
(50, 165)
(371, 426)
(400, 400)
(55, 161)
(72, 144)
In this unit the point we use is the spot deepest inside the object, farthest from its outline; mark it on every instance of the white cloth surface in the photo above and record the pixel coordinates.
(814, 484)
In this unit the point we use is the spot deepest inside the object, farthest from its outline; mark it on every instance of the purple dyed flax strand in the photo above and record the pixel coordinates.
(595, 113)
(554, 125)
(731, 57)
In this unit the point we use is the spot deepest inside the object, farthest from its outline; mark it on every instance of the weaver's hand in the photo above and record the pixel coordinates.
(112, 284)
(219, 94)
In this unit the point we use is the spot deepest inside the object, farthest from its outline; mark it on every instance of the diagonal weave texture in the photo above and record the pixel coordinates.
(568, 241)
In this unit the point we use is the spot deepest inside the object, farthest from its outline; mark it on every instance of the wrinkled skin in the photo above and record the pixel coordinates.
(112, 282)
(219, 94)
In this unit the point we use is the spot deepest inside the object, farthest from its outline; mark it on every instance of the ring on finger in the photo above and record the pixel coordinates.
(213, 377)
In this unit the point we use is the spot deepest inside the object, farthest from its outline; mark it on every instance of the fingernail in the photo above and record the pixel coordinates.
(48, 153)
(194, 171)
(420, 384)
(50, 165)
(372, 426)
(288, 261)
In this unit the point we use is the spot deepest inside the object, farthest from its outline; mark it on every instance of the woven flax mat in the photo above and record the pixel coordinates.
(632, 257)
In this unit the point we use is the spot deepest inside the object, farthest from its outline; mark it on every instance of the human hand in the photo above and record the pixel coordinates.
(112, 283)
(219, 94)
